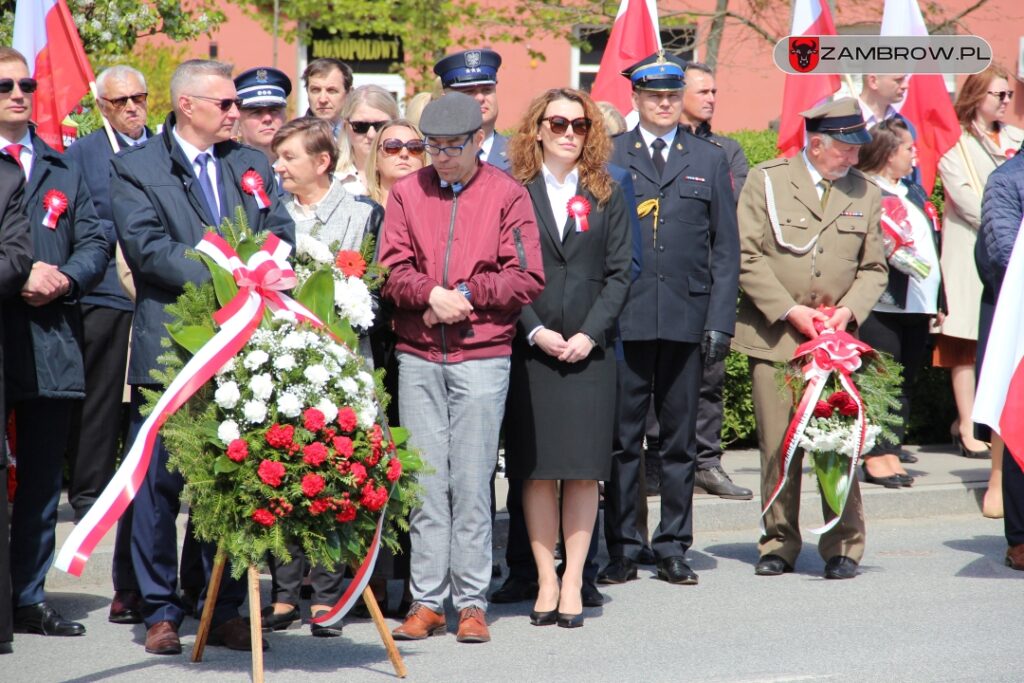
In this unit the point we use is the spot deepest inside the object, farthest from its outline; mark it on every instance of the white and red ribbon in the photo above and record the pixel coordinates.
(56, 203)
(252, 183)
(833, 351)
(260, 281)
(579, 209)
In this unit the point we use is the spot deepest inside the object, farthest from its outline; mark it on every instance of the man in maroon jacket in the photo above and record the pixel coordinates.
(462, 244)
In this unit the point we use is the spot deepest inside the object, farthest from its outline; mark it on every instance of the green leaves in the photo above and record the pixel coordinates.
(223, 465)
(833, 472)
(317, 294)
(190, 337)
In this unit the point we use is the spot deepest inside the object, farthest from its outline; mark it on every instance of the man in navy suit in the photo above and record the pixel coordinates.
(475, 73)
(164, 195)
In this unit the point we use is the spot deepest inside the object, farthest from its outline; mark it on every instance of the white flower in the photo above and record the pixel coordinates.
(285, 315)
(289, 405)
(348, 385)
(261, 386)
(227, 395)
(255, 411)
(353, 301)
(316, 374)
(255, 359)
(329, 410)
(366, 414)
(227, 367)
(293, 341)
(285, 362)
(310, 247)
(227, 431)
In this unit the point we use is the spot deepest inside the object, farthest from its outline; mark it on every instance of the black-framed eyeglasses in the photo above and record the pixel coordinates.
(138, 99)
(393, 146)
(27, 85)
(363, 127)
(1003, 95)
(451, 151)
(223, 103)
(560, 124)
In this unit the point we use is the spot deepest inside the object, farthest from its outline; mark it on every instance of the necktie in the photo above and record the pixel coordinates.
(206, 185)
(657, 157)
(827, 185)
(15, 152)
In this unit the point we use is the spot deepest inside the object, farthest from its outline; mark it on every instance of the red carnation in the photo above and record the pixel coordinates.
(238, 450)
(314, 454)
(358, 473)
(347, 512)
(280, 436)
(822, 409)
(342, 466)
(394, 469)
(271, 473)
(263, 517)
(374, 457)
(313, 419)
(347, 419)
(376, 436)
(312, 484)
(350, 263)
(844, 403)
(343, 446)
(373, 498)
(319, 506)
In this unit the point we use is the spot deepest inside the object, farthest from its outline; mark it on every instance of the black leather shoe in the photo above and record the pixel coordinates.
(515, 589)
(890, 482)
(840, 567)
(905, 479)
(125, 608)
(646, 556)
(591, 596)
(319, 631)
(906, 457)
(277, 622)
(619, 570)
(772, 565)
(44, 620)
(715, 481)
(569, 620)
(543, 618)
(675, 570)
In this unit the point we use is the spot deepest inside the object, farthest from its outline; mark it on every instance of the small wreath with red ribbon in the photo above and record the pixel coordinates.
(252, 183)
(579, 209)
(56, 203)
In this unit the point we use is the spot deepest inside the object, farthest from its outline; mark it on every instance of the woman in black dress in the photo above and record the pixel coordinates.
(562, 390)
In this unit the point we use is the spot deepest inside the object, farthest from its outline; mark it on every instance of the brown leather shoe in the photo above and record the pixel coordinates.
(234, 635)
(1015, 557)
(421, 623)
(473, 626)
(162, 639)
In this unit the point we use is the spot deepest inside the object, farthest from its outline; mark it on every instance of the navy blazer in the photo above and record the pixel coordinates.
(499, 153)
(160, 215)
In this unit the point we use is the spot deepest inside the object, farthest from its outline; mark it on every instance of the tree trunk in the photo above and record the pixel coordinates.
(715, 33)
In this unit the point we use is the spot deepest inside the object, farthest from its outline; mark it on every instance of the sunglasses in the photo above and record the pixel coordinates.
(27, 85)
(393, 146)
(559, 124)
(138, 99)
(363, 127)
(223, 103)
(1003, 95)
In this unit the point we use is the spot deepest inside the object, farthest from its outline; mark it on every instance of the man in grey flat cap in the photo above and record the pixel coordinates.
(462, 246)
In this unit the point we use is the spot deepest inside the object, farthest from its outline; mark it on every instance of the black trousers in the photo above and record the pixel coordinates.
(6, 608)
(102, 421)
(670, 372)
(905, 336)
(287, 579)
(1013, 500)
(710, 412)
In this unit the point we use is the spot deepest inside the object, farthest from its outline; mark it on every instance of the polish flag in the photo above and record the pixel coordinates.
(634, 36)
(999, 399)
(805, 91)
(45, 33)
(927, 104)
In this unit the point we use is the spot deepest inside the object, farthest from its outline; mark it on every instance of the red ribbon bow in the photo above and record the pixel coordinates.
(252, 183)
(56, 203)
(579, 209)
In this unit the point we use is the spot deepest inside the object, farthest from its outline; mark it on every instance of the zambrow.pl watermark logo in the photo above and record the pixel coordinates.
(882, 54)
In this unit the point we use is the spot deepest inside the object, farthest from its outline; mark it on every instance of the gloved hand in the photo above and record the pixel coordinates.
(714, 347)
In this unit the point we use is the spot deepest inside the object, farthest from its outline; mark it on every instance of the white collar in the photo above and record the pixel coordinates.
(815, 176)
(571, 180)
(190, 150)
(25, 142)
(898, 189)
(649, 137)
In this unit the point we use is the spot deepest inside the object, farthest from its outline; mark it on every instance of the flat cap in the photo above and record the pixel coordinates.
(656, 72)
(452, 114)
(469, 68)
(841, 120)
(263, 87)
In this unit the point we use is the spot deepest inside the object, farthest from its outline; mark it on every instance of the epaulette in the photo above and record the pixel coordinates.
(867, 178)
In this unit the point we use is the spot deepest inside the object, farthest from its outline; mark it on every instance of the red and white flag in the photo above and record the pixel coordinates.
(927, 104)
(45, 33)
(805, 91)
(634, 36)
(999, 400)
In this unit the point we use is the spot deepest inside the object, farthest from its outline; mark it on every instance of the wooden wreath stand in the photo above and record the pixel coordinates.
(256, 621)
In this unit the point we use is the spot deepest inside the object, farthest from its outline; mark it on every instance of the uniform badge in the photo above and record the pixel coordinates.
(473, 59)
(853, 214)
(696, 179)
(679, 146)
(637, 145)
(261, 75)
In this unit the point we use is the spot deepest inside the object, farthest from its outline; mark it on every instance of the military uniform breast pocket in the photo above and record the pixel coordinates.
(696, 200)
(851, 232)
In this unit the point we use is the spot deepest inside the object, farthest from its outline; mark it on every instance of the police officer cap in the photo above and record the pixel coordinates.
(451, 115)
(263, 87)
(469, 68)
(841, 120)
(656, 72)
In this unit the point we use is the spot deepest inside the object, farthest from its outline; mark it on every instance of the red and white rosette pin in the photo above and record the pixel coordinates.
(579, 209)
(55, 202)
(252, 183)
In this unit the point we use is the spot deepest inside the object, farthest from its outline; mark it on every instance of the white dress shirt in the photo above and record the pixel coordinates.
(27, 156)
(559, 195)
(922, 295)
(649, 139)
(485, 147)
(191, 152)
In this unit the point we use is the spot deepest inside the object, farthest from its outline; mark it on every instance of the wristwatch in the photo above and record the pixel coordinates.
(463, 289)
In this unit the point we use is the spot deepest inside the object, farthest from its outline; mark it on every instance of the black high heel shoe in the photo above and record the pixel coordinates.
(543, 618)
(890, 482)
(966, 452)
(569, 620)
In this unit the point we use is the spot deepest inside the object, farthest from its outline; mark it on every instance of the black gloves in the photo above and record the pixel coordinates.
(714, 347)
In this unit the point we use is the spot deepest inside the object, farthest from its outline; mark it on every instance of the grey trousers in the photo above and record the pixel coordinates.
(453, 413)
